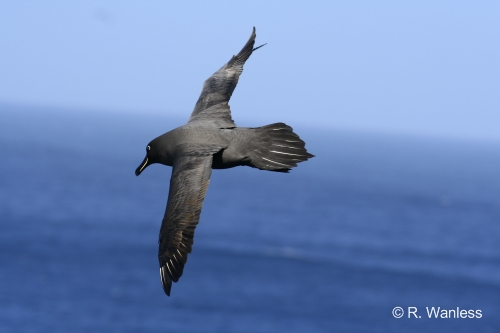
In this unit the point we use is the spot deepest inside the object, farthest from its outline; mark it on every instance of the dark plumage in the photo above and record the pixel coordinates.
(211, 140)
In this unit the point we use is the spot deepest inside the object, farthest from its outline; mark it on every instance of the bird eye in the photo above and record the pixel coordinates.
(148, 148)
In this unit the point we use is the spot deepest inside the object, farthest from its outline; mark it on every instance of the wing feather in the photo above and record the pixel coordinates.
(213, 104)
(188, 186)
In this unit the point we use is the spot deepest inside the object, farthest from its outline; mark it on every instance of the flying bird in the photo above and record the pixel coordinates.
(211, 140)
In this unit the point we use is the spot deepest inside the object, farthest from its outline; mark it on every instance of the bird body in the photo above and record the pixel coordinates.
(211, 140)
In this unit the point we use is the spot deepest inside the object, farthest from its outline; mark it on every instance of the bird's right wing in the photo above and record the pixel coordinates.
(189, 182)
(212, 105)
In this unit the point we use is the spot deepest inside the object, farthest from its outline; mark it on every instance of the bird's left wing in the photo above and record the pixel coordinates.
(212, 105)
(191, 172)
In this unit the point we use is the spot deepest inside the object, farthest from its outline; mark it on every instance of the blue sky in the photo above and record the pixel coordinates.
(417, 67)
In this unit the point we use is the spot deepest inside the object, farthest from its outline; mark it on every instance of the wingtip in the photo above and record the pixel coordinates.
(166, 283)
(253, 35)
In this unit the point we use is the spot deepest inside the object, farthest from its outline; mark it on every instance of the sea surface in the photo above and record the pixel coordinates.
(371, 223)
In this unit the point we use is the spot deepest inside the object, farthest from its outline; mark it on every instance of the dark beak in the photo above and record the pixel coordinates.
(141, 167)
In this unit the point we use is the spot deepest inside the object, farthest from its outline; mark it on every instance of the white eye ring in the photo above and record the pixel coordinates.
(148, 148)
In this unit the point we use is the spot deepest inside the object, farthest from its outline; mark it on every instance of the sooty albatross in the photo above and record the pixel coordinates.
(211, 140)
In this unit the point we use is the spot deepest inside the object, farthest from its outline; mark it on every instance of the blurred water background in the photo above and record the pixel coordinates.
(372, 222)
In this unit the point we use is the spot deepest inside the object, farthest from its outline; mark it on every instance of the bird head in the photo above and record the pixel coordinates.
(149, 159)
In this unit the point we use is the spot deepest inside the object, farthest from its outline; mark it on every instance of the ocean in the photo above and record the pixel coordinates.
(373, 222)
